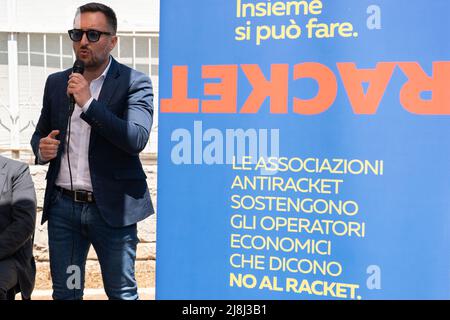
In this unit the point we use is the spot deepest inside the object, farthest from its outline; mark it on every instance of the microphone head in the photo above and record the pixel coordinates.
(78, 67)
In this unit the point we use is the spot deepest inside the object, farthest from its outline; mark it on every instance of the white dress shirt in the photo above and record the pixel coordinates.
(79, 144)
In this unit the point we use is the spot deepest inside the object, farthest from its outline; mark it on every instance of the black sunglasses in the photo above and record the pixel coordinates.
(92, 35)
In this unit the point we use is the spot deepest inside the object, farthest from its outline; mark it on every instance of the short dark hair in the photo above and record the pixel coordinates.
(99, 7)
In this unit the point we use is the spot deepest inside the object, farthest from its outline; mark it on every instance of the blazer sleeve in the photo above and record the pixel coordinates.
(43, 127)
(130, 133)
(23, 213)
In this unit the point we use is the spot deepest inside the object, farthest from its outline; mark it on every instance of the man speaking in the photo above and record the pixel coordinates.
(96, 187)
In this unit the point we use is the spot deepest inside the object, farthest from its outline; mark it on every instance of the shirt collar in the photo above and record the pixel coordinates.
(105, 72)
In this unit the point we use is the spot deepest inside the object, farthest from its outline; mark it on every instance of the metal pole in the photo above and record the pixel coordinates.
(13, 78)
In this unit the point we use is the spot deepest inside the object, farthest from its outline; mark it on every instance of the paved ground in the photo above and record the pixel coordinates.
(91, 294)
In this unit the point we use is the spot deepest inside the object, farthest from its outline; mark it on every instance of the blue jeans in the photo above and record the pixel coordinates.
(70, 235)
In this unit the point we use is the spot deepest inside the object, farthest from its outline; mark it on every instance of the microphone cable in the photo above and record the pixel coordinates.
(78, 67)
(72, 215)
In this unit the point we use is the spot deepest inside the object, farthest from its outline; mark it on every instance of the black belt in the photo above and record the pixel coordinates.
(78, 195)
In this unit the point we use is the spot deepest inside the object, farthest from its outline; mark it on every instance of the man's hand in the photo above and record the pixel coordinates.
(79, 88)
(48, 146)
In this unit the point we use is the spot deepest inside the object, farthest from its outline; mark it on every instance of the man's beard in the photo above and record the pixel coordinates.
(93, 61)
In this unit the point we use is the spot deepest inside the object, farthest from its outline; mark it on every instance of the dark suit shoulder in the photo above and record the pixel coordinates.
(133, 74)
(58, 76)
(138, 74)
(13, 165)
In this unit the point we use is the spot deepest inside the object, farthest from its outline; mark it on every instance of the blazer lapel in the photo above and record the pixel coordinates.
(64, 106)
(110, 84)
(2, 174)
(63, 119)
(108, 89)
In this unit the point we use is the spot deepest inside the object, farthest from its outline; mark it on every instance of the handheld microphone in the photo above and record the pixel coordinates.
(78, 67)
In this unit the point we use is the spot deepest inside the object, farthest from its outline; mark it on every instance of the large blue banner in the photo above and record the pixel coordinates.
(304, 150)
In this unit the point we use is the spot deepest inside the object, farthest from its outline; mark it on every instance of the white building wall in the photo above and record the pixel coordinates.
(3, 14)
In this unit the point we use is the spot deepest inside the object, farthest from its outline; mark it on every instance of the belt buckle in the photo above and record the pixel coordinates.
(76, 193)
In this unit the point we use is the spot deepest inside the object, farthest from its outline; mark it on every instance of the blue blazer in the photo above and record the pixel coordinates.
(120, 127)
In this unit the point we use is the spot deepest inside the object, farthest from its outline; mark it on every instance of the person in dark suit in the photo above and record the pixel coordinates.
(17, 222)
(96, 187)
